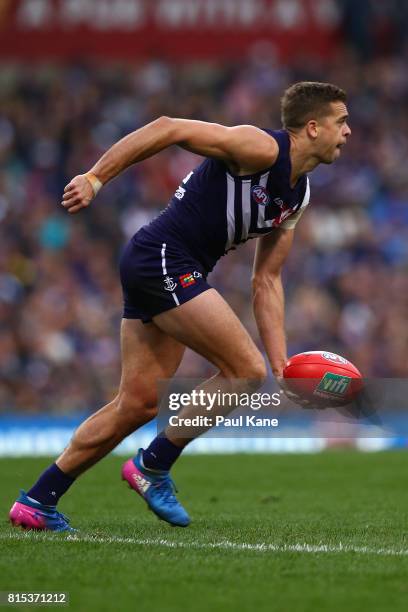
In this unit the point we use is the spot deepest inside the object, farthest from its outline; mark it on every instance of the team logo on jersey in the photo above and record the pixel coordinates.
(186, 280)
(260, 195)
(169, 284)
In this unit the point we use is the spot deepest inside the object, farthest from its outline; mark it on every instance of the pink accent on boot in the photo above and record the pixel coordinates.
(136, 479)
(26, 517)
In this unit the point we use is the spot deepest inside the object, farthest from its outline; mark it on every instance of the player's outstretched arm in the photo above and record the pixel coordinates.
(245, 149)
(268, 295)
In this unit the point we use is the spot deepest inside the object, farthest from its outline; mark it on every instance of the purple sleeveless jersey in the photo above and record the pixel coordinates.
(167, 261)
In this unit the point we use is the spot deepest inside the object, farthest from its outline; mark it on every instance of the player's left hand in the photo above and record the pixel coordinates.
(77, 194)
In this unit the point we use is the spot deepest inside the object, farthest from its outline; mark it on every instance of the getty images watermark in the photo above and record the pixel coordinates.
(198, 410)
(225, 408)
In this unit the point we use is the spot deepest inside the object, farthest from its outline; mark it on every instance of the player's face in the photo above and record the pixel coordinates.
(333, 132)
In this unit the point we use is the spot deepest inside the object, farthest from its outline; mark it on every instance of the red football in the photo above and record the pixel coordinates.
(323, 378)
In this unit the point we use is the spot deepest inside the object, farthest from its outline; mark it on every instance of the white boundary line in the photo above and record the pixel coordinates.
(262, 547)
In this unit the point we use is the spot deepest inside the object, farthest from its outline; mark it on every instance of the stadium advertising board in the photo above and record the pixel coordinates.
(137, 28)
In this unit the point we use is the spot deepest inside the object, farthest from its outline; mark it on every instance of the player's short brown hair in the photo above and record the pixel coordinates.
(308, 100)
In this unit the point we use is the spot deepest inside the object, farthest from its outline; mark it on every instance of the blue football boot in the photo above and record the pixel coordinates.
(157, 489)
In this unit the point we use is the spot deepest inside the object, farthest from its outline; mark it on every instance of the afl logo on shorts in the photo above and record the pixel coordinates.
(260, 195)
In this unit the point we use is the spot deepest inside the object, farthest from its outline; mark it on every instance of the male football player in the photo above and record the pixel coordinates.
(252, 184)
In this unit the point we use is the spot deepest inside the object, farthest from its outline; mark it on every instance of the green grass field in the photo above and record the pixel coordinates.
(333, 526)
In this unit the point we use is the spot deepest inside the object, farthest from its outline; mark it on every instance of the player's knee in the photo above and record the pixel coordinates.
(256, 372)
(136, 407)
(252, 371)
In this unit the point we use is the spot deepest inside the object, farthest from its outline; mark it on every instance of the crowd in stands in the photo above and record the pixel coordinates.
(346, 278)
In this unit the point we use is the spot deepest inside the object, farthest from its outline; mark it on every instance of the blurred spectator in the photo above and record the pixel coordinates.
(60, 299)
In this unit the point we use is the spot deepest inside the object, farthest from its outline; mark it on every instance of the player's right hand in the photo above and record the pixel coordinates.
(77, 194)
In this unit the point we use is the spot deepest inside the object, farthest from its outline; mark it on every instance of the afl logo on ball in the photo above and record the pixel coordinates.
(335, 358)
(260, 195)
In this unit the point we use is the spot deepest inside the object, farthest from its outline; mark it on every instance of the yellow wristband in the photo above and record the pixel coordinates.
(95, 182)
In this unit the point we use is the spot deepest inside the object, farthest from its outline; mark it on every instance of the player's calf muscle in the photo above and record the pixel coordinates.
(115, 421)
(104, 430)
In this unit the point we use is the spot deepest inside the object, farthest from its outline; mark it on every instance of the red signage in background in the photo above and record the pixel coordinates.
(180, 29)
